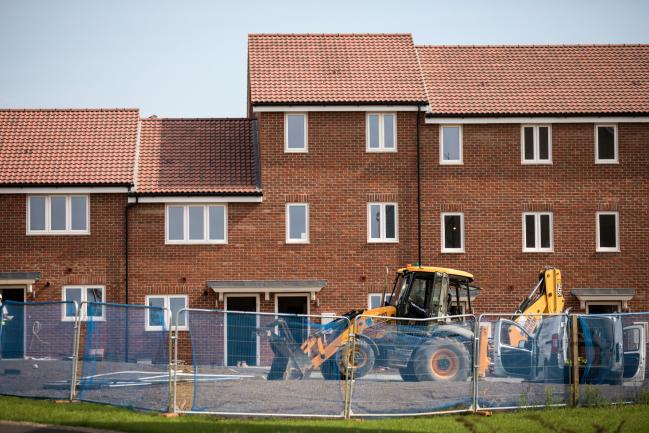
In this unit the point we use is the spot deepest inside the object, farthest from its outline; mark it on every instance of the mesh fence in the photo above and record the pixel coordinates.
(612, 358)
(523, 361)
(412, 367)
(263, 364)
(37, 348)
(124, 355)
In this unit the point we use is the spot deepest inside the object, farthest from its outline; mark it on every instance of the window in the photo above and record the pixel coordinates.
(374, 300)
(382, 222)
(452, 232)
(608, 232)
(381, 132)
(297, 223)
(197, 224)
(536, 144)
(450, 149)
(603, 307)
(537, 232)
(58, 214)
(81, 294)
(295, 132)
(605, 144)
(168, 315)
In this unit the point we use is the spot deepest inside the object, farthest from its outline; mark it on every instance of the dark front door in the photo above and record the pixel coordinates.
(12, 330)
(241, 331)
(295, 305)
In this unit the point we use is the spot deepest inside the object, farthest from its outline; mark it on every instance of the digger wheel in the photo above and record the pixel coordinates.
(442, 360)
(334, 368)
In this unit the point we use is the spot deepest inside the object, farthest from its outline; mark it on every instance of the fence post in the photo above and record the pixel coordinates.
(574, 350)
(75, 350)
(476, 360)
(349, 367)
(171, 406)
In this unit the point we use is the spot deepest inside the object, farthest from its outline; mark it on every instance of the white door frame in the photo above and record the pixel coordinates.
(225, 323)
(24, 289)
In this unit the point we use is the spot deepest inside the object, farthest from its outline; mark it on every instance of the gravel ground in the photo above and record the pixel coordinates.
(246, 390)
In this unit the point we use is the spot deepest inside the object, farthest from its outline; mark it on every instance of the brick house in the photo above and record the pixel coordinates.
(360, 153)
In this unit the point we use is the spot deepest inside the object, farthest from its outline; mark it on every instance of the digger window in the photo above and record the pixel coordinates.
(427, 296)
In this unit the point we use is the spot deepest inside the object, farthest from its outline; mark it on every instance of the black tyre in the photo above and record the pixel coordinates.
(442, 360)
(408, 373)
(334, 368)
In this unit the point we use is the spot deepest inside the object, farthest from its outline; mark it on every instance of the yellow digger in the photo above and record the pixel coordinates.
(421, 349)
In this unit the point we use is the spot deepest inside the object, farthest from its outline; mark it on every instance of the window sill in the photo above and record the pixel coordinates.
(368, 150)
(296, 150)
(539, 251)
(383, 241)
(297, 242)
(607, 250)
(453, 251)
(451, 163)
(57, 233)
(606, 161)
(196, 243)
(536, 162)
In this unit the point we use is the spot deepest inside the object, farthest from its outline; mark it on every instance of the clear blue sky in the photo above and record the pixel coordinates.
(188, 57)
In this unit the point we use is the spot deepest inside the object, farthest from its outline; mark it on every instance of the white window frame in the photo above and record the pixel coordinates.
(615, 143)
(537, 233)
(287, 223)
(68, 215)
(306, 296)
(615, 249)
(617, 304)
(442, 161)
(452, 250)
(372, 295)
(382, 227)
(84, 298)
(167, 313)
(305, 149)
(206, 224)
(536, 145)
(381, 148)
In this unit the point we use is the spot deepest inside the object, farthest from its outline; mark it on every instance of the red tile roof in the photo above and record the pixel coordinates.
(333, 69)
(535, 80)
(67, 147)
(198, 156)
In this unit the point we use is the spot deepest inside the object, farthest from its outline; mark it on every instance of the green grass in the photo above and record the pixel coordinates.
(597, 420)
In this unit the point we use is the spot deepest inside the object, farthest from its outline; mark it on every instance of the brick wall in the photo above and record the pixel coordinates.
(97, 258)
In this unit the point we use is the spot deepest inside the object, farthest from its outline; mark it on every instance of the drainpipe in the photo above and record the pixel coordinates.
(126, 300)
(418, 194)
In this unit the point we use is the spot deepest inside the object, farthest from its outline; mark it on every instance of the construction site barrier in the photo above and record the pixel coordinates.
(245, 363)
(523, 363)
(37, 348)
(412, 366)
(612, 358)
(125, 355)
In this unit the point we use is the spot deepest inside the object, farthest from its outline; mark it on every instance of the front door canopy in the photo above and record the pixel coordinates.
(266, 287)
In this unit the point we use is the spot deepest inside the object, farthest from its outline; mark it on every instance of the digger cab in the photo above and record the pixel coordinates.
(421, 292)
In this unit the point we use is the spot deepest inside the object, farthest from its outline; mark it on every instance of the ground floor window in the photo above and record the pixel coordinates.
(81, 295)
(169, 315)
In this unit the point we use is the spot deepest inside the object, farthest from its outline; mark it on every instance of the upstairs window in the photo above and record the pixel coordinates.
(452, 232)
(536, 144)
(58, 214)
(608, 232)
(196, 224)
(382, 222)
(606, 144)
(450, 144)
(158, 320)
(297, 223)
(381, 132)
(537, 232)
(295, 132)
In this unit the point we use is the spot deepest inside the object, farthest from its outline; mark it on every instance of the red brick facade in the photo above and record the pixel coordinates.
(337, 177)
